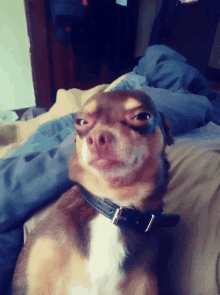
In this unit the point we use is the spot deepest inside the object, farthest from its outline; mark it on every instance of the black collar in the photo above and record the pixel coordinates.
(131, 218)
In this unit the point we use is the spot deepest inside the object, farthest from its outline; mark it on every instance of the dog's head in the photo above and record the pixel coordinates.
(120, 148)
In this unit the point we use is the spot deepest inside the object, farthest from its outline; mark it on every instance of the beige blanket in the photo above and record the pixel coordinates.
(12, 136)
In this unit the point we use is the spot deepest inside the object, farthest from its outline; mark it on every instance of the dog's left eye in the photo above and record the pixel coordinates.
(142, 116)
(81, 122)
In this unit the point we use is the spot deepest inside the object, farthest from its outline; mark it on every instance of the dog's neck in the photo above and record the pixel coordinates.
(111, 251)
(129, 217)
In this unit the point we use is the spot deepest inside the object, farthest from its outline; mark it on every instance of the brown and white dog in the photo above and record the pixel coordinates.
(119, 162)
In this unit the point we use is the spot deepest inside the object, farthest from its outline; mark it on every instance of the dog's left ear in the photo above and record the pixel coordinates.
(167, 127)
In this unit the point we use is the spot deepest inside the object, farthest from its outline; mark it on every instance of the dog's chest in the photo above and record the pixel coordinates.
(105, 257)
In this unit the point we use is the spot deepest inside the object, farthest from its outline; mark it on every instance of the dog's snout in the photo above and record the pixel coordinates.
(99, 140)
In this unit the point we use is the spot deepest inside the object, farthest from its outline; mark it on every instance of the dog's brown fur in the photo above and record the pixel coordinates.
(53, 260)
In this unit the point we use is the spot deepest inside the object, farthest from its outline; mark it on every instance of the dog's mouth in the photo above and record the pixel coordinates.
(107, 164)
(111, 169)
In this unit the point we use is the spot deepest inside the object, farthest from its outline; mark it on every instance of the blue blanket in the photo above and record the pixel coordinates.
(36, 173)
(179, 90)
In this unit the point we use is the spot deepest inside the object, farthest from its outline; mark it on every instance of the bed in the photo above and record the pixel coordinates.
(189, 262)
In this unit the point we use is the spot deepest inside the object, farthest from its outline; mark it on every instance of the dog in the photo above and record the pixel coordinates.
(100, 237)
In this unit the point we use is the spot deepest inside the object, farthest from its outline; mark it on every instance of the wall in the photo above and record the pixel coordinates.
(16, 86)
(214, 61)
(148, 11)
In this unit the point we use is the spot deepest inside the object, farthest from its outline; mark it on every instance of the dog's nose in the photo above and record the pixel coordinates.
(98, 141)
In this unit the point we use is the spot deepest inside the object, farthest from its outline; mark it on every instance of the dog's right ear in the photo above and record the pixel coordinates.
(167, 127)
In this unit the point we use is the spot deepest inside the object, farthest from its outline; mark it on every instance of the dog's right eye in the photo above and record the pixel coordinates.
(81, 122)
(143, 116)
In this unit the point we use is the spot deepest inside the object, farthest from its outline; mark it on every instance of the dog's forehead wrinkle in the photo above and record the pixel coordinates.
(114, 104)
(131, 103)
(91, 107)
(115, 97)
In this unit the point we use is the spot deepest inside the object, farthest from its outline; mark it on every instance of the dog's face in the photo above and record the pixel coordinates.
(119, 147)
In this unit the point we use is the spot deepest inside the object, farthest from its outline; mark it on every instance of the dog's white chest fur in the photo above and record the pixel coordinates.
(105, 256)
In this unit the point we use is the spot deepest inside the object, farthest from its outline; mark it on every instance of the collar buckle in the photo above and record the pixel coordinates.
(150, 223)
(117, 216)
